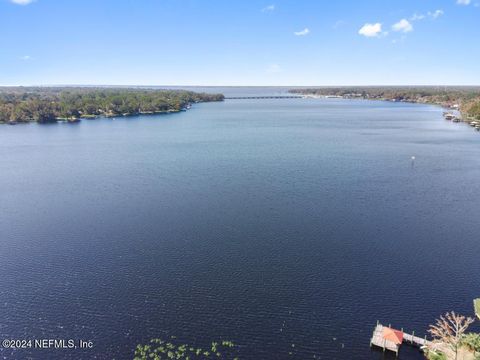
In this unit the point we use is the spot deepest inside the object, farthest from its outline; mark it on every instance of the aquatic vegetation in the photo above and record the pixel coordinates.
(159, 349)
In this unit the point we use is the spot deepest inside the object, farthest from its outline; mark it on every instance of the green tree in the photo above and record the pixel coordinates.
(472, 342)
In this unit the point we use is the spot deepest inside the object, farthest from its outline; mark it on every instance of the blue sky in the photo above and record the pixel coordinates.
(239, 42)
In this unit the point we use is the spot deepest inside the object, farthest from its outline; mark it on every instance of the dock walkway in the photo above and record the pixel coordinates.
(378, 339)
(415, 340)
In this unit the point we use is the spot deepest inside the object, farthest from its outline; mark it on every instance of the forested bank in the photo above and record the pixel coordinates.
(464, 98)
(49, 104)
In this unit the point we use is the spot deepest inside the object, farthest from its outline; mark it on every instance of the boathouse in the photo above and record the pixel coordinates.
(390, 339)
(387, 338)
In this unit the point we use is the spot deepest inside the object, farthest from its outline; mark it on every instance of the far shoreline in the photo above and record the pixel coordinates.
(465, 100)
(68, 104)
(97, 117)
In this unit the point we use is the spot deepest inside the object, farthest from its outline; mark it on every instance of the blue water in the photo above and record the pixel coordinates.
(264, 222)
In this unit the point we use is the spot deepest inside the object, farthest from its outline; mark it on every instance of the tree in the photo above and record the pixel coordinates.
(472, 342)
(436, 356)
(48, 104)
(449, 330)
(42, 112)
(6, 111)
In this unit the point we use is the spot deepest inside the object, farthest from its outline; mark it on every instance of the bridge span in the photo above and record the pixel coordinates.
(263, 97)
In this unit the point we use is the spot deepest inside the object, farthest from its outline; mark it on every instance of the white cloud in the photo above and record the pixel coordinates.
(371, 30)
(431, 14)
(403, 26)
(25, 57)
(304, 32)
(436, 14)
(22, 2)
(268, 8)
(274, 68)
(463, 2)
(417, 17)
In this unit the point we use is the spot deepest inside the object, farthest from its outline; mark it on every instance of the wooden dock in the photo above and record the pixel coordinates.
(415, 340)
(380, 340)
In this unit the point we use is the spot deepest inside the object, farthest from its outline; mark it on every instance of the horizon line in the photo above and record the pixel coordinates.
(226, 86)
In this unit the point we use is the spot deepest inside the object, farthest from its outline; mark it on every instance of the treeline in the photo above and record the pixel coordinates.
(466, 97)
(472, 108)
(48, 104)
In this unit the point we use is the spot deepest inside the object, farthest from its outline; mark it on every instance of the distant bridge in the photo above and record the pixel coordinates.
(263, 97)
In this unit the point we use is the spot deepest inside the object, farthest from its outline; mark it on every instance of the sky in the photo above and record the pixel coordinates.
(240, 42)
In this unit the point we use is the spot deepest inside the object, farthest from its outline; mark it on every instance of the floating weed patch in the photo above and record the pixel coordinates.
(158, 349)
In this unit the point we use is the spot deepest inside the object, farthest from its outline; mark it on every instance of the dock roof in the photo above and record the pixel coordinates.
(395, 336)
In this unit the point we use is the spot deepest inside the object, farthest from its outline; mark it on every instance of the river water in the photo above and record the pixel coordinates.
(286, 226)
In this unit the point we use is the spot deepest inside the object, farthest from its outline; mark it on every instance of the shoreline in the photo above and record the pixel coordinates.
(69, 104)
(463, 117)
(466, 100)
(60, 120)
